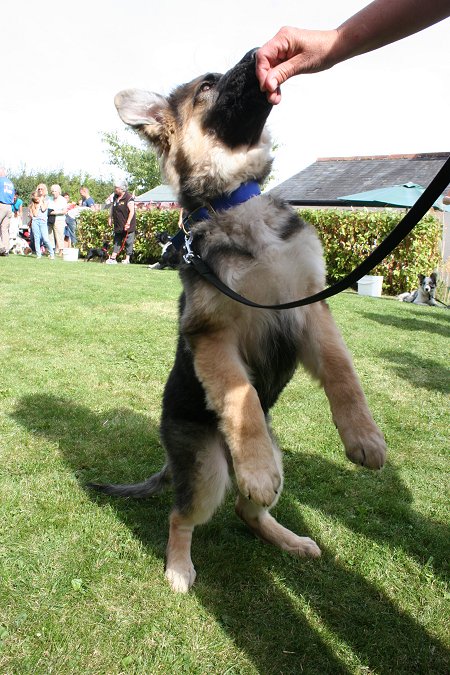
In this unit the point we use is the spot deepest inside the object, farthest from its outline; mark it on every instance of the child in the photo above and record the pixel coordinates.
(38, 214)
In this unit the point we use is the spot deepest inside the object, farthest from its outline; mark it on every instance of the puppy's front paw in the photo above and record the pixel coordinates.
(180, 577)
(364, 445)
(259, 480)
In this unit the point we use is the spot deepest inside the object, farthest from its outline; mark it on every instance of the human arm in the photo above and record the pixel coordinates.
(43, 204)
(130, 214)
(294, 50)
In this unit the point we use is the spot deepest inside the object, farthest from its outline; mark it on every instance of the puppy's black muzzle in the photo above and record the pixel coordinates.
(241, 109)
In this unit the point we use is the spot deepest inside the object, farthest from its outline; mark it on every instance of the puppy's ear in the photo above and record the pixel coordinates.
(433, 276)
(145, 111)
(421, 278)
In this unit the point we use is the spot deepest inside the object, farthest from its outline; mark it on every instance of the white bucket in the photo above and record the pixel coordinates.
(70, 254)
(370, 285)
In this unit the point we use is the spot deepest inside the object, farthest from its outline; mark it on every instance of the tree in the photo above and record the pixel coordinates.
(271, 175)
(139, 163)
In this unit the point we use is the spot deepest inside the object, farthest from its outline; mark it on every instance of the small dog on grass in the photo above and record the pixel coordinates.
(19, 246)
(424, 294)
(233, 361)
(101, 253)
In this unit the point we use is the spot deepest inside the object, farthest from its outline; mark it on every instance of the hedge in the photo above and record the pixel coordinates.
(93, 230)
(347, 237)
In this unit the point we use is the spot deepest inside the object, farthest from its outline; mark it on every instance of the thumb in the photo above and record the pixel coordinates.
(278, 75)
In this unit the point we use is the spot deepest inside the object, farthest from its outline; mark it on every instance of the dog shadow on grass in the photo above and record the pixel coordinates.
(275, 608)
(414, 361)
(421, 371)
(415, 320)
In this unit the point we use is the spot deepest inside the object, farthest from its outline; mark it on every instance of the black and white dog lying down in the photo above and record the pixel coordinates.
(425, 294)
(170, 256)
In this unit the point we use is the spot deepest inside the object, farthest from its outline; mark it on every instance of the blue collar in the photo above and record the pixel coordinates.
(242, 194)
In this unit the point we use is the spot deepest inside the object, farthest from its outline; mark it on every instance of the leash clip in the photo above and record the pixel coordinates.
(189, 253)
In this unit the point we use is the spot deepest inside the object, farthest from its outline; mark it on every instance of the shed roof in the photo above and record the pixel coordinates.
(328, 178)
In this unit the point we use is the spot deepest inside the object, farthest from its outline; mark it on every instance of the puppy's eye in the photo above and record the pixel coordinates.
(206, 86)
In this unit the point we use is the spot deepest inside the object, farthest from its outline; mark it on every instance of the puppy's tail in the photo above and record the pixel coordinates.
(157, 483)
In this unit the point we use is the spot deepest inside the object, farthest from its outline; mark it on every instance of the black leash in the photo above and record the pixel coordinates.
(408, 222)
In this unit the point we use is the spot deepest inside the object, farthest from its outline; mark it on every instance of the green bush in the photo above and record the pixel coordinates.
(93, 230)
(349, 236)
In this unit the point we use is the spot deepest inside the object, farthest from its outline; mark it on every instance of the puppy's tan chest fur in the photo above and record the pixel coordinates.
(263, 251)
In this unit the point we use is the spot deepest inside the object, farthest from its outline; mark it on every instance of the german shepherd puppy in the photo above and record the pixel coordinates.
(233, 361)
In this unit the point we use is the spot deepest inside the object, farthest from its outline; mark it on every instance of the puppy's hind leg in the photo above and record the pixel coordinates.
(264, 526)
(180, 572)
(198, 494)
(261, 523)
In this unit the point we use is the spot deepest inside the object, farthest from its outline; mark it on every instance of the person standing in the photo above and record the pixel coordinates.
(38, 211)
(86, 199)
(58, 209)
(70, 236)
(16, 220)
(42, 192)
(123, 218)
(17, 206)
(6, 201)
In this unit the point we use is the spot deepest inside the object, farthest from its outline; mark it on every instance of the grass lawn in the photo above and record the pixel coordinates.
(85, 351)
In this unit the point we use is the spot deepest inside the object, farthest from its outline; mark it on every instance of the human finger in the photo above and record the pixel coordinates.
(275, 97)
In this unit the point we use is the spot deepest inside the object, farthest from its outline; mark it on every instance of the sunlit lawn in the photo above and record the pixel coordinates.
(85, 350)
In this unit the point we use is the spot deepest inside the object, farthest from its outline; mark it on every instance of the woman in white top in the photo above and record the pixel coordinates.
(58, 208)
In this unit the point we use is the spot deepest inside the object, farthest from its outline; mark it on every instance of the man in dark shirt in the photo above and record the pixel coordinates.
(122, 216)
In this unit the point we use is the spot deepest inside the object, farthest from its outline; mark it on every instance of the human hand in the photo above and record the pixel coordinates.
(293, 51)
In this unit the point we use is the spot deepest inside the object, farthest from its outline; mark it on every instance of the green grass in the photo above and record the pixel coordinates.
(85, 350)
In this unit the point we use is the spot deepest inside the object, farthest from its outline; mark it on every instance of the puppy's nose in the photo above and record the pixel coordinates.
(251, 55)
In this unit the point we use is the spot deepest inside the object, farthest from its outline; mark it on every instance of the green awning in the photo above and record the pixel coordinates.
(404, 196)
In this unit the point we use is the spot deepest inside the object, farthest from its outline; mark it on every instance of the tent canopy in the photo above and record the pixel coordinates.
(161, 193)
(404, 196)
